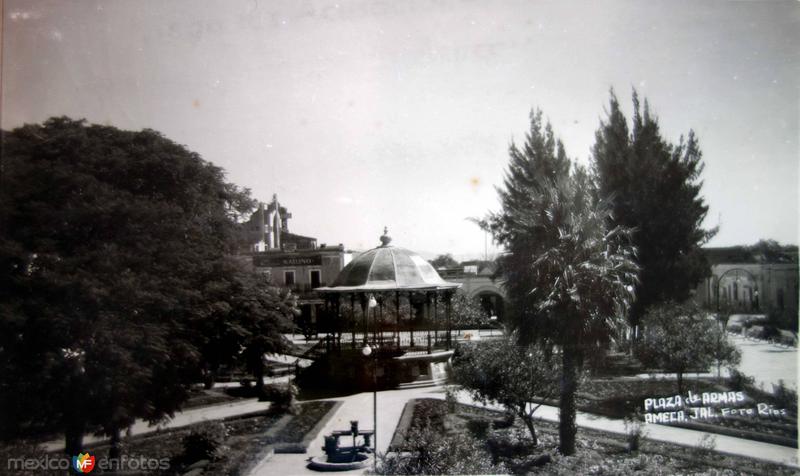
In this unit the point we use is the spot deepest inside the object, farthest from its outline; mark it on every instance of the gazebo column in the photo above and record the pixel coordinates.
(365, 312)
(337, 308)
(436, 318)
(379, 323)
(428, 318)
(320, 325)
(448, 298)
(329, 323)
(411, 320)
(353, 319)
(397, 311)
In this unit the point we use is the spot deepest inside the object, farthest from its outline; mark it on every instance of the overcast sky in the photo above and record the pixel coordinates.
(367, 114)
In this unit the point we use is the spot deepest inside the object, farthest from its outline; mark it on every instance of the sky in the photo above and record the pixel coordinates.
(366, 114)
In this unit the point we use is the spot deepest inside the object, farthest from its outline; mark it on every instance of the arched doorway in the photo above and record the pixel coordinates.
(737, 289)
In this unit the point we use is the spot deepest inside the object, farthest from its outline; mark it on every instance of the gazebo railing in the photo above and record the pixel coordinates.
(416, 340)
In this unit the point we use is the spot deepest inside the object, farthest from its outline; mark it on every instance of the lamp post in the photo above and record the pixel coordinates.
(367, 351)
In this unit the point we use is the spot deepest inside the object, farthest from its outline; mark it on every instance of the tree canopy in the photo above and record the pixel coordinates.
(466, 311)
(110, 244)
(568, 275)
(654, 187)
(444, 261)
(678, 338)
(512, 375)
(770, 251)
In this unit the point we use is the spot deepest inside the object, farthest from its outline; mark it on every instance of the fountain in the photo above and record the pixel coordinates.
(344, 458)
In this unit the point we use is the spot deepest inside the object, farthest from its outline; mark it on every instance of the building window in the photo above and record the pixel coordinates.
(288, 278)
(315, 278)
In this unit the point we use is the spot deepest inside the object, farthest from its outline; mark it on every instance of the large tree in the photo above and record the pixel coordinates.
(654, 187)
(108, 242)
(568, 274)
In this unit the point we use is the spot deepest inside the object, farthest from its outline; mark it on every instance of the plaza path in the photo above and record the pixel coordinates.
(391, 403)
(767, 363)
(188, 417)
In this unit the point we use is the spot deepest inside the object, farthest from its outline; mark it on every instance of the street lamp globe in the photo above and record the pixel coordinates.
(367, 350)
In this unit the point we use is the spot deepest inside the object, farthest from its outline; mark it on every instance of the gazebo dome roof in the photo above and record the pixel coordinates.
(387, 268)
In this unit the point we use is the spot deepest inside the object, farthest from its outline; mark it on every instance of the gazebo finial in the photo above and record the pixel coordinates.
(385, 238)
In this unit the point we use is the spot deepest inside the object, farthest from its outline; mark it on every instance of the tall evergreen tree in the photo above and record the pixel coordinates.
(568, 275)
(654, 187)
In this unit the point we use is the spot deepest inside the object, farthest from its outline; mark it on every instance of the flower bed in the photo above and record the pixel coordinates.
(436, 441)
(619, 398)
(247, 439)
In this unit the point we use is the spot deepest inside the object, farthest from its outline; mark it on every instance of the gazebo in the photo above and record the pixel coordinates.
(394, 301)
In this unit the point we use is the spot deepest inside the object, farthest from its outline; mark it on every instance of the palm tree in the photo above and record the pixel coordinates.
(569, 278)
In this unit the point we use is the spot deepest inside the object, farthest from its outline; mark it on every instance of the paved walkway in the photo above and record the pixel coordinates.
(391, 403)
(354, 407)
(188, 417)
(390, 407)
(767, 363)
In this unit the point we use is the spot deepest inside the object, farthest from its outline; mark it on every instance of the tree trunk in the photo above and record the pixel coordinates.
(258, 374)
(209, 378)
(529, 423)
(114, 451)
(680, 382)
(566, 415)
(73, 433)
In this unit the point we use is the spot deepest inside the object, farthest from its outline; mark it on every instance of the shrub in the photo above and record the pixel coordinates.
(450, 399)
(18, 450)
(478, 428)
(508, 445)
(204, 442)
(785, 397)
(739, 382)
(705, 447)
(282, 396)
(506, 422)
(430, 452)
(770, 332)
(634, 432)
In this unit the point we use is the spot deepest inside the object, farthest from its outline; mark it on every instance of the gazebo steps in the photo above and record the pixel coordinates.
(422, 383)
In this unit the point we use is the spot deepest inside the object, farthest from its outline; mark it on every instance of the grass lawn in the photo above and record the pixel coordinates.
(200, 397)
(460, 439)
(618, 398)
